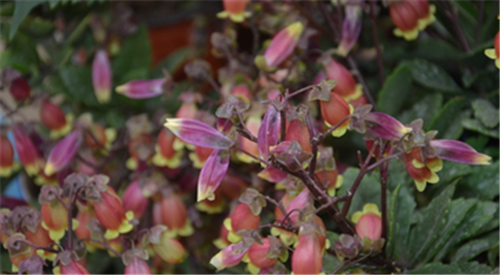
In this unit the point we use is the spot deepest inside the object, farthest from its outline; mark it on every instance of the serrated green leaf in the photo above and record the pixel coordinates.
(395, 91)
(401, 212)
(21, 10)
(482, 182)
(480, 214)
(432, 76)
(475, 247)
(449, 117)
(436, 268)
(458, 209)
(398, 175)
(135, 54)
(476, 126)
(473, 268)
(426, 108)
(431, 221)
(485, 112)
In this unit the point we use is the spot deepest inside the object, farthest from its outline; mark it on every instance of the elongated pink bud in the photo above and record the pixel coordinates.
(142, 88)
(197, 133)
(101, 76)
(385, 126)
(27, 152)
(350, 28)
(212, 173)
(137, 266)
(458, 151)
(281, 47)
(63, 152)
(229, 256)
(269, 131)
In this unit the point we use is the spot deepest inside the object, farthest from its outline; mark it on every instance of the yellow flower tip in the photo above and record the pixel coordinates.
(356, 216)
(75, 223)
(245, 158)
(436, 165)
(417, 164)
(220, 244)
(121, 89)
(420, 185)
(103, 95)
(331, 191)
(49, 169)
(222, 15)
(31, 170)
(233, 238)
(253, 268)
(434, 178)
(187, 230)
(407, 35)
(15, 269)
(483, 160)
(110, 134)
(371, 208)
(131, 164)
(111, 234)
(207, 194)
(5, 172)
(227, 224)
(56, 235)
(358, 92)
(129, 215)
(125, 227)
(340, 131)
(295, 30)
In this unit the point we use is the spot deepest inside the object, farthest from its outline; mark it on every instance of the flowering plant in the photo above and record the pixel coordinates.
(312, 137)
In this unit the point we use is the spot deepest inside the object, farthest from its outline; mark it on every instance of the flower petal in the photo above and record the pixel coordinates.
(198, 133)
(458, 151)
(212, 173)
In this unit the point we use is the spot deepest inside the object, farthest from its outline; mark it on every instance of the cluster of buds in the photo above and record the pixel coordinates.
(411, 16)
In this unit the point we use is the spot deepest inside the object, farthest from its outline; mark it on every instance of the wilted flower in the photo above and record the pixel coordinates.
(282, 45)
(331, 179)
(53, 117)
(495, 52)
(6, 157)
(63, 153)
(234, 10)
(98, 137)
(140, 89)
(20, 89)
(102, 76)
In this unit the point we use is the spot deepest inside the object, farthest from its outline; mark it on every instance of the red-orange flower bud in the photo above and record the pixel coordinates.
(20, 89)
(258, 254)
(174, 216)
(110, 213)
(346, 85)
(298, 131)
(241, 218)
(53, 117)
(307, 256)
(137, 266)
(234, 10)
(334, 111)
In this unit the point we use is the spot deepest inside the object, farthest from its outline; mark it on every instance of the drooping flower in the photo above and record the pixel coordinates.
(170, 250)
(282, 45)
(63, 153)
(331, 179)
(166, 154)
(241, 218)
(421, 169)
(55, 219)
(111, 214)
(6, 157)
(458, 151)
(174, 216)
(140, 89)
(102, 76)
(198, 133)
(368, 222)
(134, 199)
(346, 86)
(411, 16)
(235, 10)
(495, 52)
(53, 117)
(307, 256)
(229, 256)
(27, 152)
(258, 256)
(334, 111)
(212, 173)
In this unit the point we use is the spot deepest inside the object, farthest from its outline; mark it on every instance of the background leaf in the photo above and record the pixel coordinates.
(395, 91)
(21, 10)
(432, 76)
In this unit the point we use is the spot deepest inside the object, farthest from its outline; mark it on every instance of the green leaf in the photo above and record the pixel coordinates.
(135, 54)
(454, 170)
(330, 263)
(448, 121)
(78, 83)
(476, 126)
(432, 76)
(475, 247)
(426, 108)
(458, 209)
(436, 268)
(482, 183)
(21, 54)
(485, 112)
(430, 223)
(37, 26)
(398, 175)
(401, 213)
(473, 268)
(478, 142)
(396, 89)
(171, 63)
(475, 218)
(21, 10)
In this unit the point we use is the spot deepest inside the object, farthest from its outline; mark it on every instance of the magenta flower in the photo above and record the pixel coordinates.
(458, 151)
(385, 126)
(229, 256)
(350, 28)
(101, 76)
(140, 89)
(27, 152)
(63, 152)
(197, 133)
(269, 131)
(212, 173)
(281, 47)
